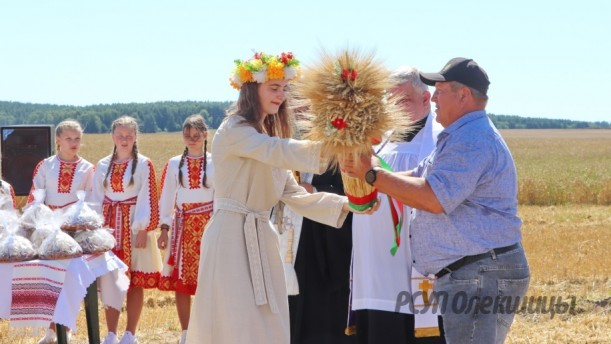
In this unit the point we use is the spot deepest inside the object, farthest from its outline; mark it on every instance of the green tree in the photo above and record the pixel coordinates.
(149, 124)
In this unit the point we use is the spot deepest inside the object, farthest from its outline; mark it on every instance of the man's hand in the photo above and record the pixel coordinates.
(357, 166)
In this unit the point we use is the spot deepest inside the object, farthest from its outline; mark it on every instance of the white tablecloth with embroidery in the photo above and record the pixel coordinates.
(37, 292)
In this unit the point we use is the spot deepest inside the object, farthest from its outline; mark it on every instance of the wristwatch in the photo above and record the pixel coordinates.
(371, 175)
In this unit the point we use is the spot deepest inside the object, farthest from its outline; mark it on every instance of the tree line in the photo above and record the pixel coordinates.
(517, 122)
(152, 117)
(168, 116)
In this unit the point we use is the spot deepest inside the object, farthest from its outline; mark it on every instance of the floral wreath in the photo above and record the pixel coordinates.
(263, 67)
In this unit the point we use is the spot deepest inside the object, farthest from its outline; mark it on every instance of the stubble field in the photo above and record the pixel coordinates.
(565, 198)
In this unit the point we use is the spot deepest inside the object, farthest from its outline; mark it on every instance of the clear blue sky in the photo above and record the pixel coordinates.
(544, 58)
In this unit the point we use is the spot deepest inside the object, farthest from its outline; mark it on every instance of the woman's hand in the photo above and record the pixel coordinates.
(162, 241)
(368, 211)
(141, 239)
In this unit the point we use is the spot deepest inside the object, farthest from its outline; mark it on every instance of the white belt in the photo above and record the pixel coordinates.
(260, 272)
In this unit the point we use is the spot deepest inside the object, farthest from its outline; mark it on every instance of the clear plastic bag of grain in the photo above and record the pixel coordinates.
(8, 218)
(59, 245)
(36, 212)
(6, 200)
(42, 232)
(96, 241)
(15, 248)
(80, 216)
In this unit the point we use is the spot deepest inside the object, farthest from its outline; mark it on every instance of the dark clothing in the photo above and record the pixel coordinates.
(318, 314)
(373, 327)
(409, 136)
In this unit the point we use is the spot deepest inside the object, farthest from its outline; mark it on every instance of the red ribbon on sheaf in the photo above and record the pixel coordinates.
(367, 199)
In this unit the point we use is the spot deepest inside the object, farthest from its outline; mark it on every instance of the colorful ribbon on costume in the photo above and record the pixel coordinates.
(179, 225)
(114, 211)
(396, 210)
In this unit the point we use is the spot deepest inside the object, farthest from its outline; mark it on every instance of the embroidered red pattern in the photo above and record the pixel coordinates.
(192, 237)
(193, 225)
(146, 280)
(66, 176)
(194, 167)
(166, 283)
(35, 297)
(163, 173)
(116, 176)
(31, 195)
(153, 198)
(125, 251)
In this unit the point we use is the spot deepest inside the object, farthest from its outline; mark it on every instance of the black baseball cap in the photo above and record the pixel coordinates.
(460, 69)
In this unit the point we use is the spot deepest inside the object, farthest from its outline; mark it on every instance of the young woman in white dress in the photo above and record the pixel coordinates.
(61, 176)
(185, 206)
(64, 173)
(241, 293)
(126, 186)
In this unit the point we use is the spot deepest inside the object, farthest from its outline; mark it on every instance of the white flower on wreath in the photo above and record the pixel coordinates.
(289, 73)
(260, 76)
(236, 79)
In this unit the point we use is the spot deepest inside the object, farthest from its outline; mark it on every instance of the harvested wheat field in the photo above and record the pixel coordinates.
(565, 198)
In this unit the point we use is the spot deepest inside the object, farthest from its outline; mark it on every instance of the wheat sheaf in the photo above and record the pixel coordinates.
(346, 105)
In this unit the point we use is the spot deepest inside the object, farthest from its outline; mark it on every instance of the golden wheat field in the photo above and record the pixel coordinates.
(565, 202)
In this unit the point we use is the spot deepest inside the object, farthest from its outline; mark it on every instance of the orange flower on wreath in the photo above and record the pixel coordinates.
(275, 70)
(244, 74)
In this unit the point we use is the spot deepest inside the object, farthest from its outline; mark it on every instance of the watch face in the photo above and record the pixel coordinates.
(370, 176)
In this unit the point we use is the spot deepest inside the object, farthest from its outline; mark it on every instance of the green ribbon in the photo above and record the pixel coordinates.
(397, 216)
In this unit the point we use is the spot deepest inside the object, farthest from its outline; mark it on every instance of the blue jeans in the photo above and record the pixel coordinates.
(478, 300)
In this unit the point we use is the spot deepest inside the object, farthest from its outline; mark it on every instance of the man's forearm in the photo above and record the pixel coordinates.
(411, 191)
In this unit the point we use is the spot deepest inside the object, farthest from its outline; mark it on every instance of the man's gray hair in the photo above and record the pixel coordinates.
(479, 96)
(409, 74)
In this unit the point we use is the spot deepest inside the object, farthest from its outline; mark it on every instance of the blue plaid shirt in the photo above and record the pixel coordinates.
(473, 175)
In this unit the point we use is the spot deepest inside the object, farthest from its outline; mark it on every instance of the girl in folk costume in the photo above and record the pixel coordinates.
(61, 176)
(185, 206)
(64, 173)
(241, 294)
(125, 184)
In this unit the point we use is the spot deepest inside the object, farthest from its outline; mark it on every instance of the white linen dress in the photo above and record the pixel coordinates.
(241, 295)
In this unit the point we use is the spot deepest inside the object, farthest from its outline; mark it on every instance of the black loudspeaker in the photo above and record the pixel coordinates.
(23, 147)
